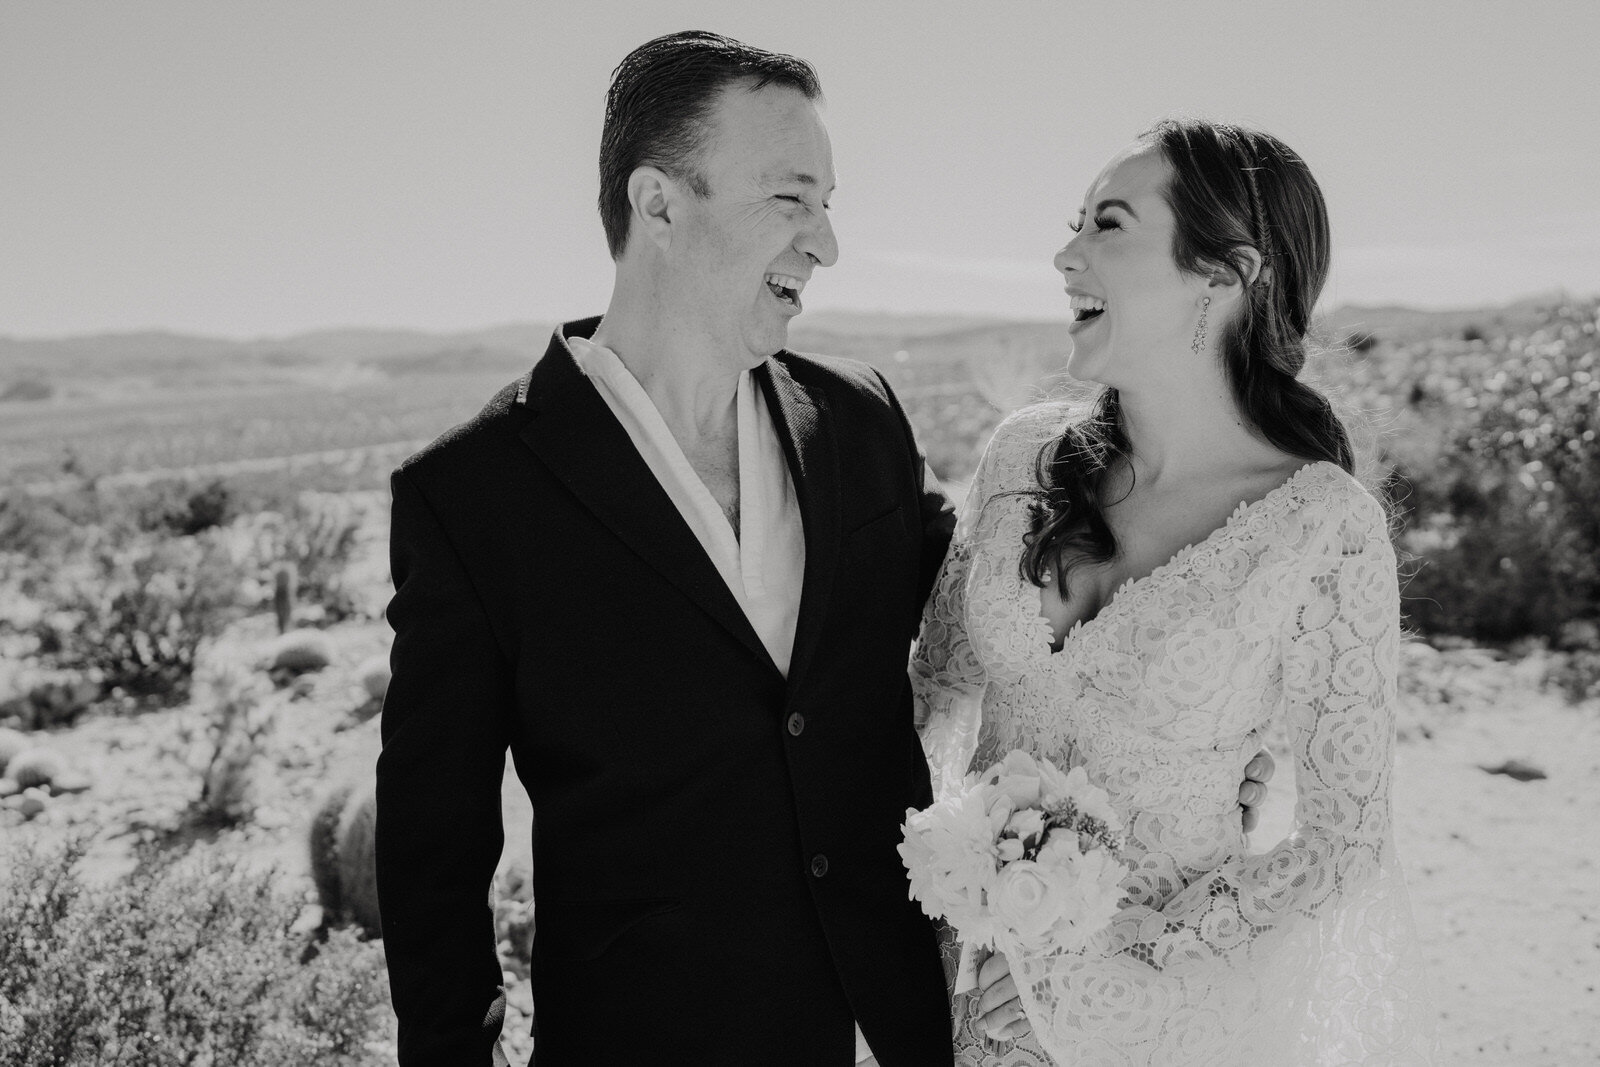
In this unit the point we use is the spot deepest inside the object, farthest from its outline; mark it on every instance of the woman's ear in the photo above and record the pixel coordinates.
(1224, 285)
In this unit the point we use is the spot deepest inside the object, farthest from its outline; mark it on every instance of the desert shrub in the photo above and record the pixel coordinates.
(1502, 509)
(183, 508)
(184, 962)
(135, 615)
(240, 718)
(315, 538)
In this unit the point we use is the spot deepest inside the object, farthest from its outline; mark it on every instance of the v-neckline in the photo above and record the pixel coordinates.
(1140, 583)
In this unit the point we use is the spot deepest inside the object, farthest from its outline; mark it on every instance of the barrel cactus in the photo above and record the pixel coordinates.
(343, 862)
(35, 767)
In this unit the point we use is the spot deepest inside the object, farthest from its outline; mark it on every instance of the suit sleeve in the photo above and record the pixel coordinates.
(438, 831)
(936, 516)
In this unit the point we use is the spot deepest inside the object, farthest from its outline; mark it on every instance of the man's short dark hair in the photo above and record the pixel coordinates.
(659, 106)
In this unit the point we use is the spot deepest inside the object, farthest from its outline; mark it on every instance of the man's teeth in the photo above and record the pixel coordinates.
(1087, 303)
(778, 283)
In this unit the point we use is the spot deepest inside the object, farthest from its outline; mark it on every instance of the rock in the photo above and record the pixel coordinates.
(301, 651)
(374, 676)
(1521, 770)
(36, 766)
(12, 744)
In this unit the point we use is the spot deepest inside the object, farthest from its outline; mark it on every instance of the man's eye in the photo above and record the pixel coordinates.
(794, 199)
(1076, 225)
(1106, 224)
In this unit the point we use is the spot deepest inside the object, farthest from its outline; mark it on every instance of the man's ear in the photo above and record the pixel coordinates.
(651, 194)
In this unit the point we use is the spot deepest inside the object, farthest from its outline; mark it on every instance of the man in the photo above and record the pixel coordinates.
(675, 570)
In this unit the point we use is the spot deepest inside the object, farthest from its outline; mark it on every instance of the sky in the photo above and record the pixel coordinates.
(262, 168)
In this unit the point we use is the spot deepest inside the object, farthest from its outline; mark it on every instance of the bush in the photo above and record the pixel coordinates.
(134, 617)
(241, 718)
(315, 539)
(1504, 513)
(184, 509)
(181, 963)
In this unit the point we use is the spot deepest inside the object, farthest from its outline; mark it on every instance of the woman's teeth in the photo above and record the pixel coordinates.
(1086, 307)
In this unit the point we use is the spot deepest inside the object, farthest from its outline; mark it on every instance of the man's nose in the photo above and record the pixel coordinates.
(819, 243)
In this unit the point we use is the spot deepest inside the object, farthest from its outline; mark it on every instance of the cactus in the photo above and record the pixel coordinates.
(374, 675)
(283, 590)
(35, 767)
(301, 651)
(12, 744)
(343, 862)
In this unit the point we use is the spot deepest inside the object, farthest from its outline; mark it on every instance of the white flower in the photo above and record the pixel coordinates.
(1025, 824)
(1090, 799)
(1029, 900)
(949, 854)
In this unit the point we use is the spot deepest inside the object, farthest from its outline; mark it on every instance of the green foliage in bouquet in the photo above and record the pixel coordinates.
(180, 963)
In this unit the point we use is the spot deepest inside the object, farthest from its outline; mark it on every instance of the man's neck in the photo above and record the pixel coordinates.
(693, 387)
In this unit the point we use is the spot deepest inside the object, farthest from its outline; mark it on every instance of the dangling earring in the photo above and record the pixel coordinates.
(1200, 328)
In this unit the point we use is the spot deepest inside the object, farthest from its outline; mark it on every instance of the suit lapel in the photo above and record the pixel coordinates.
(801, 419)
(574, 433)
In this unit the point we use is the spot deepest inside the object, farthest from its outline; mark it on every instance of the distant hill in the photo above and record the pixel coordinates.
(1402, 325)
(914, 348)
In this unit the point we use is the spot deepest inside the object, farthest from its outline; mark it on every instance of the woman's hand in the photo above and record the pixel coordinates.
(1253, 790)
(999, 1007)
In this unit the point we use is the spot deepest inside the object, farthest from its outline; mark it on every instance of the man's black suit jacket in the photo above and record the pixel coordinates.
(715, 872)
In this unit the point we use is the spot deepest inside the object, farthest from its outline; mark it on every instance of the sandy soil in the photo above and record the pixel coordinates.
(1505, 874)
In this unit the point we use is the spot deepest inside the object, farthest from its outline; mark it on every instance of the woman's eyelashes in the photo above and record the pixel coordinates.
(1101, 223)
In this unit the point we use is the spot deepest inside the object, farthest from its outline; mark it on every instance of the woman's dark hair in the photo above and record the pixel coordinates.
(1232, 189)
(659, 107)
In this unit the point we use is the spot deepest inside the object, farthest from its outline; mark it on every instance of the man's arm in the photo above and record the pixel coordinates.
(936, 518)
(438, 818)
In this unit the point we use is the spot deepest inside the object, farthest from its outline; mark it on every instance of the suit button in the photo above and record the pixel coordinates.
(819, 865)
(797, 724)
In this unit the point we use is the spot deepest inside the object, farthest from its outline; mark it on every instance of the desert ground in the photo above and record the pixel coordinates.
(1503, 872)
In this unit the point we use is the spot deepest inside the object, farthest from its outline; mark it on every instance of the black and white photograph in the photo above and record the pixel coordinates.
(886, 534)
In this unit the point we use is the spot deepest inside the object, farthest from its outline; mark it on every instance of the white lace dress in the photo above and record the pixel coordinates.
(1287, 615)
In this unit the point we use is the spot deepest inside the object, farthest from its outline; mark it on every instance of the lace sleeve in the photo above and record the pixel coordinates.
(947, 675)
(1341, 649)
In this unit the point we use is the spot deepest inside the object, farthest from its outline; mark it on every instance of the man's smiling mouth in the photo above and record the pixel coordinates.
(786, 288)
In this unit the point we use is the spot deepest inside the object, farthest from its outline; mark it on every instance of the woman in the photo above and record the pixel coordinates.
(1138, 591)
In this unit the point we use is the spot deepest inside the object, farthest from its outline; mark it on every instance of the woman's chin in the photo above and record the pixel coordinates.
(1086, 366)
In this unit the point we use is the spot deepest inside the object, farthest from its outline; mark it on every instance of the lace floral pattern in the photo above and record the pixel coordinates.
(1289, 615)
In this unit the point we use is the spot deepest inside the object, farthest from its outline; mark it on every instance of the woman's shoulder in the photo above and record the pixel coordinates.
(1334, 509)
(1026, 430)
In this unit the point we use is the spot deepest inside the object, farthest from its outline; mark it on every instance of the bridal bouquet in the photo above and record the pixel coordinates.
(1023, 858)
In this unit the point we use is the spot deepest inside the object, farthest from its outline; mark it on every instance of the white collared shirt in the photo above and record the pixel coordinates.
(764, 566)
